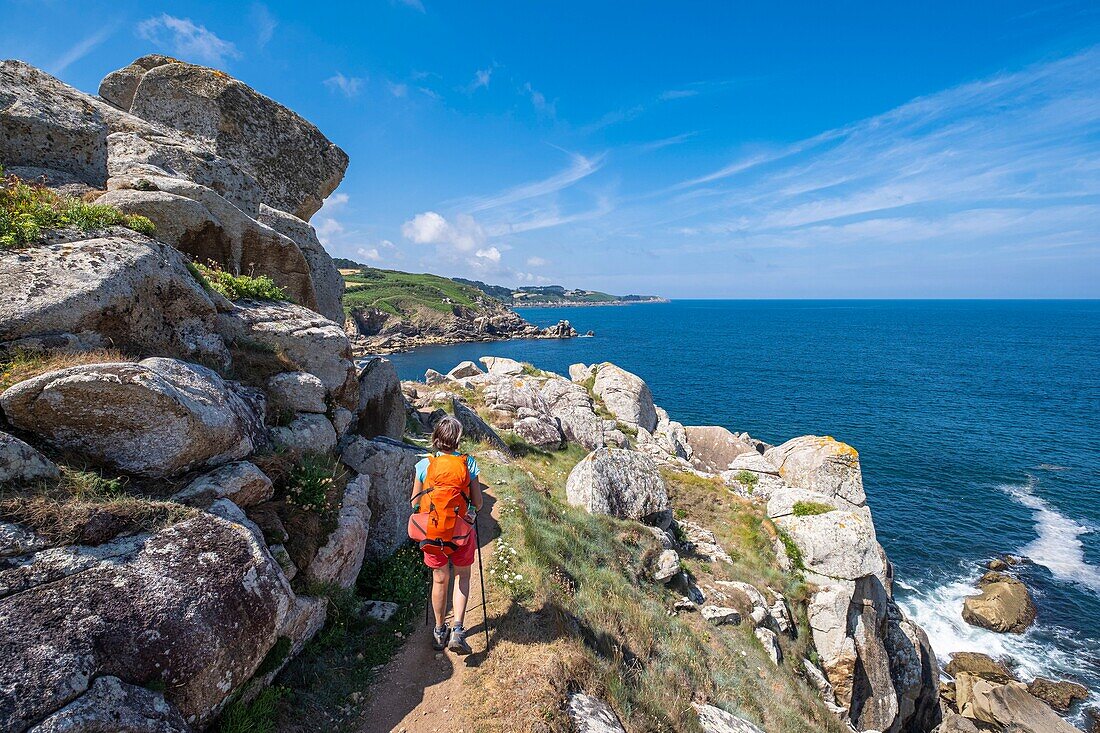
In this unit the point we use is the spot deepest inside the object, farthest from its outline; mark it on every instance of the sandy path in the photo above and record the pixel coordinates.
(421, 690)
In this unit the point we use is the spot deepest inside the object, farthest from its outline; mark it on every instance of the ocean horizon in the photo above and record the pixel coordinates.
(974, 419)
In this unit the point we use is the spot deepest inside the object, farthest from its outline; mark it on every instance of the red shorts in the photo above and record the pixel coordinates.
(462, 558)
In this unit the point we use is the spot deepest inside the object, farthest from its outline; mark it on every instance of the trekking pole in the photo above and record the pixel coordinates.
(481, 574)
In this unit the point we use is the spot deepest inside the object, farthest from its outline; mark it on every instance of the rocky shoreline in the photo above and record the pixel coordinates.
(480, 330)
(191, 475)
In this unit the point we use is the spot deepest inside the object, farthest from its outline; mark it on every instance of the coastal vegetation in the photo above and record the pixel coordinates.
(236, 287)
(28, 210)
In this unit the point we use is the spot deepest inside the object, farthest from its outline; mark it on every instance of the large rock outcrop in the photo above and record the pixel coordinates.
(621, 483)
(328, 284)
(123, 289)
(47, 124)
(157, 417)
(314, 344)
(381, 408)
(713, 447)
(193, 608)
(389, 465)
(880, 665)
(1004, 604)
(626, 396)
(339, 559)
(295, 165)
(573, 408)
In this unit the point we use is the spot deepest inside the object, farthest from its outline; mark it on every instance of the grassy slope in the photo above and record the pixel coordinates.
(585, 614)
(404, 293)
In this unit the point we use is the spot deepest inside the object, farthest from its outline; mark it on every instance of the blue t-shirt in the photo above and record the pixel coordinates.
(422, 467)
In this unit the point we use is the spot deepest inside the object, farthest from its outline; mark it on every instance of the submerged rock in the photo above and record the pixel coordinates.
(157, 417)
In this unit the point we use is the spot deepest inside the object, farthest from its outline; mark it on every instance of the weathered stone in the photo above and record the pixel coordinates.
(328, 284)
(914, 671)
(111, 705)
(281, 556)
(717, 720)
(837, 544)
(626, 396)
(782, 502)
(242, 483)
(157, 417)
(295, 165)
(381, 404)
(702, 541)
(431, 376)
(340, 558)
(720, 615)
(1007, 706)
(621, 483)
(197, 220)
(314, 344)
(476, 428)
(307, 433)
(128, 289)
(979, 665)
(119, 86)
(463, 370)
(580, 372)
(955, 723)
(592, 715)
(379, 611)
(671, 436)
(195, 607)
(573, 408)
(770, 642)
(17, 540)
(1060, 694)
(21, 463)
(501, 366)
(668, 565)
(1004, 605)
(296, 392)
(341, 420)
(44, 122)
(390, 466)
(754, 462)
(713, 448)
(821, 464)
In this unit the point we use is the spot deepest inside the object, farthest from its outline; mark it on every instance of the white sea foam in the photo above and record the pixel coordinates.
(1058, 547)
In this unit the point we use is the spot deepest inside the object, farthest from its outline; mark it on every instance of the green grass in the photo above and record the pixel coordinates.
(258, 716)
(406, 293)
(576, 609)
(27, 211)
(342, 659)
(310, 483)
(236, 287)
(747, 479)
(811, 508)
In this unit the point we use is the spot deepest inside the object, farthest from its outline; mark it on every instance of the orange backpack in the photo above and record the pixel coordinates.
(443, 525)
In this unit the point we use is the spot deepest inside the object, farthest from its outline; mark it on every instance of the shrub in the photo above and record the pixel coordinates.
(257, 716)
(27, 210)
(747, 478)
(236, 287)
(309, 483)
(811, 508)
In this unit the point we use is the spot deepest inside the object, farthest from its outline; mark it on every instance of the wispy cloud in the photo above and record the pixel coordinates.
(82, 48)
(539, 101)
(187, 39)
(349, 86)
(481, 80)
(263, 22)
(325, 222)
(677, 94)
(398, 90)
(416, 5)
(579, 167)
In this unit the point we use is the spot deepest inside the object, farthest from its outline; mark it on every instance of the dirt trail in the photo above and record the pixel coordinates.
(421, 690)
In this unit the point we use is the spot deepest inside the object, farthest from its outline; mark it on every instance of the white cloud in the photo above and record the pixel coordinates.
(414, 4)
(81, 49)
(536, 262)
(491, 253)
(348, 86)
(372, 254)
(188, 40)
(463, 234)
(538, 101)
(481, 79)
(324, 221)
(397, 90)
(579, 167)
(264, 23)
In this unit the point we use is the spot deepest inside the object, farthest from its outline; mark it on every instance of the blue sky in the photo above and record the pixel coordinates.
(686, 149)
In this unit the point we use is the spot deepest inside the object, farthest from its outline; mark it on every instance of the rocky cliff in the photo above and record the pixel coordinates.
(183, 475)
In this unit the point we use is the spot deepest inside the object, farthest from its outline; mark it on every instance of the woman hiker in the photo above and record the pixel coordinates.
(447, 483)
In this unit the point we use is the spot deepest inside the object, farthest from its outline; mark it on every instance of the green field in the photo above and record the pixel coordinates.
(403, 293)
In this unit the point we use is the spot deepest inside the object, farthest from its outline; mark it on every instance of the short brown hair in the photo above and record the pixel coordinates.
(446, 434)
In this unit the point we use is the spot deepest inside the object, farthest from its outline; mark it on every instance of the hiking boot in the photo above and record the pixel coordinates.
(458, 643)
(439, 638)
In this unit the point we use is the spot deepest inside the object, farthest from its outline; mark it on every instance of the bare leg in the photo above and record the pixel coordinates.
(440, 578)
(462, 593)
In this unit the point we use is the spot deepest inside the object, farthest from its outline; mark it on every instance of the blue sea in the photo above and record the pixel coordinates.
(977, 423)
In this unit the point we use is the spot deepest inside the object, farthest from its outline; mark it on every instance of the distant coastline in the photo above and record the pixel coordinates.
(581, 304)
